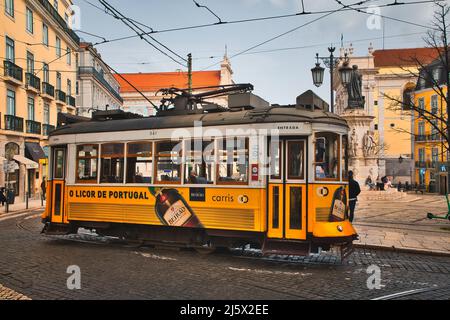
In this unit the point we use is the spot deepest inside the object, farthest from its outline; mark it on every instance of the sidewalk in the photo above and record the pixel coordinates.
(403, 225)
(18, 208)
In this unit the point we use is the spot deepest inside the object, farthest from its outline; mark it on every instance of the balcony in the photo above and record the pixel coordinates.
(434, 137)
(91, 71)
(60, 97)
(33, 127)
(427, 164)
(71, 101)
(60, 20)
(47, 129)
(13, 73)
(33, 82)
(48, 91)
(13, 123)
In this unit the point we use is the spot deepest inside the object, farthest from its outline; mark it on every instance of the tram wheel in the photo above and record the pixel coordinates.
(205, 250)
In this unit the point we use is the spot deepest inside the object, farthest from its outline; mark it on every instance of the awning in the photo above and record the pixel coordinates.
(34, 151)
(27, 162)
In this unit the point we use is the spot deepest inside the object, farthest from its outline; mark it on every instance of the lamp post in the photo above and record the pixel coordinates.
(330, 62)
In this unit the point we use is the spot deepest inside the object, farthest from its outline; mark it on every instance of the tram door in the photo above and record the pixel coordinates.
(287, 190)
(56, 195)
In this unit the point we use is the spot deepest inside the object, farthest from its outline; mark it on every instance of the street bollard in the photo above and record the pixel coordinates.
(7, 206)
(26, 201)
(42, 200)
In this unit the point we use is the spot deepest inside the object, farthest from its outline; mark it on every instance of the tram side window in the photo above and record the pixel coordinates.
(199, 164)
(112, 160)
(139, 162)
(327, 156)
(87, 160)
(168, 162)
(344, 157)
(233, 161)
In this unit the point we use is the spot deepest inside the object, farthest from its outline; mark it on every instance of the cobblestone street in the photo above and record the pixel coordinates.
(35, 266)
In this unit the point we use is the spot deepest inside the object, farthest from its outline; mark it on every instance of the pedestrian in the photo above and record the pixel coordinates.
(43, 187)
(354, 190)
(2, 196)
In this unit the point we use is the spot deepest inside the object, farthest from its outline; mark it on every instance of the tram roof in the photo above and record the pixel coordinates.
(272, 114)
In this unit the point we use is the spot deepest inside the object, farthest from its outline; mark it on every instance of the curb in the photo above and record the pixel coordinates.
(403, 250)
(16, 213)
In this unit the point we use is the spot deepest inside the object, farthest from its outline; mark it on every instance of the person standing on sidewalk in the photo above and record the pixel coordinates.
(44, 187)
(354, 190)
(2, 196)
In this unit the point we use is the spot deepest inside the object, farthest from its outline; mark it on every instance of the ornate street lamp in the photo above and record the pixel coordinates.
(330, 62)
(345, 72)
(317, 73)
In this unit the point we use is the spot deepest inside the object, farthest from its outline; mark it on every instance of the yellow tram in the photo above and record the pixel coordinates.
(253, 173)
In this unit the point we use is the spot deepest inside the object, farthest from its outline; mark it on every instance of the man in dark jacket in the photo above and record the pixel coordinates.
(353, 190)
(2, 196)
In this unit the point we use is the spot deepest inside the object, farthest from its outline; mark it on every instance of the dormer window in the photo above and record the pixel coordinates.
(436, 75)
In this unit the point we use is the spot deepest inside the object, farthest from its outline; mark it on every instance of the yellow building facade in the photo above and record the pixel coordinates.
(37, 81)
(430, 153)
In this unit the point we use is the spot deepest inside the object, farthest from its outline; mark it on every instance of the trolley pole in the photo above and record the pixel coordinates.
(190, 72)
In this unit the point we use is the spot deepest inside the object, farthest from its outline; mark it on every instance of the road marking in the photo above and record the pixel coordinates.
(154, 256)
(271, 272)
(404, 293)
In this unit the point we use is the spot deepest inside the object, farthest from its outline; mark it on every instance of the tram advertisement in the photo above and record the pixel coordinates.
(338, 205)
(173, 210)
(169, 205)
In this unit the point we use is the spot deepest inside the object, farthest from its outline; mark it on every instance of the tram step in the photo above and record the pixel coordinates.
(285, 247)
(55, 229)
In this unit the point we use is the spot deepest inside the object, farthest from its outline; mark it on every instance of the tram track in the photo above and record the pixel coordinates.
(409, 293)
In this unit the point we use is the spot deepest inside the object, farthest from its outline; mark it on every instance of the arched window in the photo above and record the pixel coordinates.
(11, 149)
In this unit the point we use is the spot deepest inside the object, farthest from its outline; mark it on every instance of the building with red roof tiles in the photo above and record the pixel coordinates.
(150, 83)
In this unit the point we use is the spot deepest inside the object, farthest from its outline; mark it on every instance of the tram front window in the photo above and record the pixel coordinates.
(112, 160)
(327, 156)
(87, 158)
(233, 161)
(199, 162)
(168, 162)
(139, 162)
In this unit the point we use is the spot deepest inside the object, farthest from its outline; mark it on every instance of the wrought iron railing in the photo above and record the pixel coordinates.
(12, 70)
(33, 127)
(47, 129)
(48, 89)
(33, 81)
(61, 96)
(13, 123)
(60, 20)
(71, 101)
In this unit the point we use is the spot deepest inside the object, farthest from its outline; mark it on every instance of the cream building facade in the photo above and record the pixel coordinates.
(96, 87)
(386, 75)
(37, 81)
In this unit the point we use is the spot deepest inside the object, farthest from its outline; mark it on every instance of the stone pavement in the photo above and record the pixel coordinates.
(18, 208)
(403, 224)
(8, 294)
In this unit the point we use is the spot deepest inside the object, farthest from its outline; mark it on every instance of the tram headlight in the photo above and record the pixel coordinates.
(340, 229)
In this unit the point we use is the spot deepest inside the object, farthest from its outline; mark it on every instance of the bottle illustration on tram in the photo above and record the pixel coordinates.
(173, 210)
(339, 205)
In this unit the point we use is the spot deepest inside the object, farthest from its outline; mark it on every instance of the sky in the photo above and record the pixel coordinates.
(278, 76)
